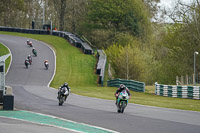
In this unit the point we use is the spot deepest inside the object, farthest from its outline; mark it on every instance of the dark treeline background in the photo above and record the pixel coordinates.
(137, 47)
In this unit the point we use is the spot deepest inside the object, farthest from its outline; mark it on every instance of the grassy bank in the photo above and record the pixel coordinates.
(78, 70)
(4, 51)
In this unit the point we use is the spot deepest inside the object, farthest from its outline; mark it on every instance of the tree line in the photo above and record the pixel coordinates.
(137, 47)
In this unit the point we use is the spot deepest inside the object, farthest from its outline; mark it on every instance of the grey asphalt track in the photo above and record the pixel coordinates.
(17, 126)
(32, 94)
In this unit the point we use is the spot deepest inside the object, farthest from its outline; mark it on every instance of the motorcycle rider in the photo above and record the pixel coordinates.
(34, 51)
(46, 63)
(64, 87)
(120, 89)
(30, 59)
(28, 42)
(26, 62)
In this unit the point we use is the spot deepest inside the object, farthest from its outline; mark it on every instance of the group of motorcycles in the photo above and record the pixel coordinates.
(63, 93)
(122, 100)
(28, 61)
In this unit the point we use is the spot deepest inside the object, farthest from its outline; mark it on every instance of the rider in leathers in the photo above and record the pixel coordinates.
(120, 89)
(64, 86)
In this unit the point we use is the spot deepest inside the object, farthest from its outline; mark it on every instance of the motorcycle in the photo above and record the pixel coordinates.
(29, 43)
(34, 52)
(62, 96)
(122, 101)
(26, 63)
(30, 60)
(46, 64)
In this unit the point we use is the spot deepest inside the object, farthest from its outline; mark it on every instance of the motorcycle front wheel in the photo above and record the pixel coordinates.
(61, 101)
(123, 105)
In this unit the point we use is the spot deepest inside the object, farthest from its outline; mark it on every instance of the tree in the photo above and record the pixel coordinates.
(127, 62)
(180, 43)
(60, 8)
(9, 11)
(76, 14)
(120, 16)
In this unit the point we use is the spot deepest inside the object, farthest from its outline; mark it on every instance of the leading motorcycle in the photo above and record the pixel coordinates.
(122, 101)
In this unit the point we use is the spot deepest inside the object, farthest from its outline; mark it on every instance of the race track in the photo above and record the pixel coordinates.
(32, 94)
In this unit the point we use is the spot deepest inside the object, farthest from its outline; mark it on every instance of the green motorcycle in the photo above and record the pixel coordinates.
(34, 51)
(122, 101)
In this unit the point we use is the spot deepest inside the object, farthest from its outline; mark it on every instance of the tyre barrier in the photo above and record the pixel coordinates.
(191, 92)
(130, 84)
(74, 40)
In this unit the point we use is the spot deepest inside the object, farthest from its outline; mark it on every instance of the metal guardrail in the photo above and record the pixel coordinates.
(101, 65)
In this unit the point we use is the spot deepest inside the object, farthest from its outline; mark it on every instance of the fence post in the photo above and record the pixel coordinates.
(176, 80)
(193, 79)
(186, 78)
(182, 80)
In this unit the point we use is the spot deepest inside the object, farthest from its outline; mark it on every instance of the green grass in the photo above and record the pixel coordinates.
(150, 89)
(78, 70)
(4, 51)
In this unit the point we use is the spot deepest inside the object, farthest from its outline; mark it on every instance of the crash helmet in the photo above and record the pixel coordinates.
(65, 84)
(121, 86)
(29, 55)
(30, 42)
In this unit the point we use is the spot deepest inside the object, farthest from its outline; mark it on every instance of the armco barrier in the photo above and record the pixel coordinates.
(191, 92)
(131, 84)
(101, 65)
